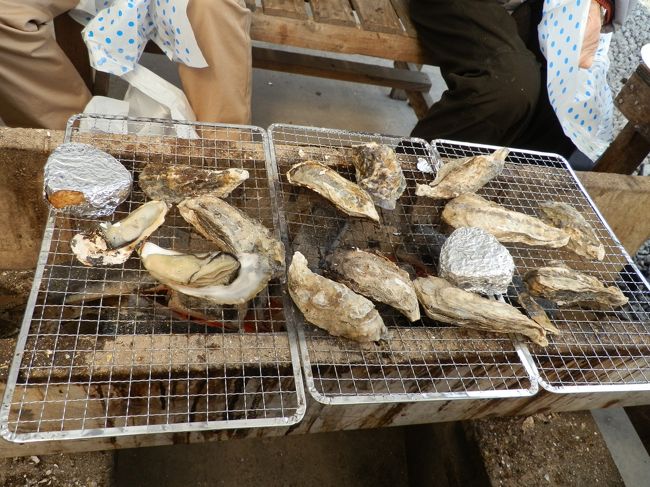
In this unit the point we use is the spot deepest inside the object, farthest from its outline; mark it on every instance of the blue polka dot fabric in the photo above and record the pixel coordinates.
(581, 98)
(117, 32)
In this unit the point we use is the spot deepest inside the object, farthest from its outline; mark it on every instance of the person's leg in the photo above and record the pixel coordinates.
(39, 86)
(222, 91)
(493, 80)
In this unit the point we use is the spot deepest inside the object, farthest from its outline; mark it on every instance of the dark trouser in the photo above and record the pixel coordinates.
(496, 86)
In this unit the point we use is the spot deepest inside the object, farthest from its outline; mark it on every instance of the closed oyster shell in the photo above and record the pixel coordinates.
(379, 173)
(232, 230)
(465, 175)
(173, 183)
(566, 286)
(448, 304)
(471, 210)
(582, 236)
(345, 195)
(378, 279)
(333, 306)
(113, 243)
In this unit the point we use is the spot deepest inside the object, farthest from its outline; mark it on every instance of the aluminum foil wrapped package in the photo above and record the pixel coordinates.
(474, 260)
(85, 181)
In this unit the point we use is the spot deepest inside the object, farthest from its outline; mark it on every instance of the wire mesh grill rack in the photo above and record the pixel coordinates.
(596, 350)
(423, 360)
(106, 352)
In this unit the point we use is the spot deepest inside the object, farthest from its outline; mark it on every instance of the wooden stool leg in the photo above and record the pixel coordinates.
(625, 153)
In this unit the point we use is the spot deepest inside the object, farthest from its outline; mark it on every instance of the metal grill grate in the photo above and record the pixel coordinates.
(596, 350)
(423, 360)
(102, 354)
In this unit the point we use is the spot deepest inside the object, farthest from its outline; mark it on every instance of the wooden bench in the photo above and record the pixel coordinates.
(377, 28)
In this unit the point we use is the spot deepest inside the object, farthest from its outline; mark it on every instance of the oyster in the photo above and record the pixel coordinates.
(251, 273)
(566, 286)
(113, 243)
(232, 230)
(379, 173)
(345, 195)
(173, 183)
(378, 279)
(465, 175)
(582, 236)
(448, 304)
(471, 210)
(333, 306)
(537, 313)
(474, 260)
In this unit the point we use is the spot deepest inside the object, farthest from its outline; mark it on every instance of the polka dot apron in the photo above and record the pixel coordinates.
(581, 98)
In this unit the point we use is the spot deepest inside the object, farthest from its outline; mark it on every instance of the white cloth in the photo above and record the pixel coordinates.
(117, 32)
(581, 98)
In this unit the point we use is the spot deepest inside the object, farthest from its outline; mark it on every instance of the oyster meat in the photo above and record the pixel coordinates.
(582, 236)
(173, 183)
(471, 210)
(465, 175)
(448, 304)
(377, 278)
(566, 286)
(379, 173)
(332, 306)
(113, 243)
(474, 260)
(232, 230)
(345, 195)
(217, 277)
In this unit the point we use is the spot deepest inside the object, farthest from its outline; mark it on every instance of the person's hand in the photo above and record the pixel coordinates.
(592, 35)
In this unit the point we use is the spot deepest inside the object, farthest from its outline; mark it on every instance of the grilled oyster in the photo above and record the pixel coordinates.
(113, 243)
(471, 210)
(566, 286)
(465, 175)
(582, 236)
(378, 279)
(173, 183)
(208, 276)
(537, 313)
(448, 304)
(333, 306)
(232, 230)
(379, 173)
(345, 195)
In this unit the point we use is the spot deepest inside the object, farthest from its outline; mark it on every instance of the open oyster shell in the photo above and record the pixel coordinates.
(113, 243)
(377, 278)
(345, 195)
(378, 172)
(333, 306)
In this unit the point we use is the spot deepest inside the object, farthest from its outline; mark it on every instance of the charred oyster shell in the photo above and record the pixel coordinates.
(448, 304)
(113, 243)
(379, 173)
(173, 183)
(465, 175)
(471, 210)
(566, 286)
(345, 195)
(333, 306)
(377, 278)
(582, 236)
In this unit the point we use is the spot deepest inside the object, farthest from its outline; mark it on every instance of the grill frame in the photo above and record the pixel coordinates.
(284, 388)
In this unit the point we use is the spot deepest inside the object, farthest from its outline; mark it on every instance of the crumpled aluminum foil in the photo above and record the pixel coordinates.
(474, 260)
(103, 180)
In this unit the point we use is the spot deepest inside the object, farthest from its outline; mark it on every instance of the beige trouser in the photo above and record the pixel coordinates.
(39, 86)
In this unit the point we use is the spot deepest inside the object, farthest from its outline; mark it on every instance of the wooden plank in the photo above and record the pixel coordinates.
(377, 15)
(338, 12)
(625, 153)
(337, 38)
(634, 100)
(293, 9)
(402, 10)
(338, 69)
(619, 198)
